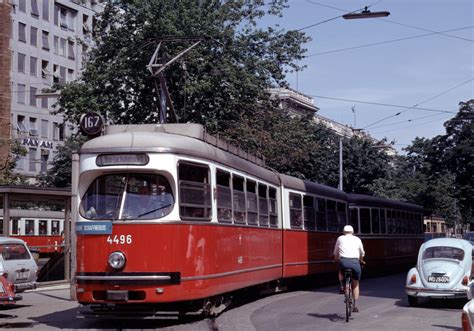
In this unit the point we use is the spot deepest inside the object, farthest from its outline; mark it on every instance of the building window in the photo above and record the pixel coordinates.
(32, 159)
(21, 62)
(33, 127)
(33, 36)
(44, 69)
(34, 8)
(63, 17)
(46, 10)
(44, 102)
(71, 50)
(22, 32)
(56, 45)
(45, 39)
(33, 96)
(33, 65)
(55, 131)
(22, 5)
(62, 47)
(21, 93)
(70, 75)
(20, 122)
(44, 128)
(44, 160)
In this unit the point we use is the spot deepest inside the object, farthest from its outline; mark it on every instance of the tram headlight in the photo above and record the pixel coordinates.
(117, 260)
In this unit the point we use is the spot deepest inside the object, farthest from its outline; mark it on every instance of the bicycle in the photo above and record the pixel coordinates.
(348, 292)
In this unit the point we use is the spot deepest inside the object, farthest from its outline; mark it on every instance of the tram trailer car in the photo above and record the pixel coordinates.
(170, 219)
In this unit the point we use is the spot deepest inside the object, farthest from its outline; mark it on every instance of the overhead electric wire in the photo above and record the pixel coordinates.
(393, 22)
(380, 104)
(416, 105)
(411, 126)
(384, 42)
(404, 121)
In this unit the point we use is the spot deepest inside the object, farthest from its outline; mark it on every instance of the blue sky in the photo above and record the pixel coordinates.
(434, 71)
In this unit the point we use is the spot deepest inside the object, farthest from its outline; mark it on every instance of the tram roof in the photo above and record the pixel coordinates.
(312, 187)
(370, 201)
(183, 139)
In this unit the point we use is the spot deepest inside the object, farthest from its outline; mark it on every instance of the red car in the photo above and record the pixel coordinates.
(7, 292)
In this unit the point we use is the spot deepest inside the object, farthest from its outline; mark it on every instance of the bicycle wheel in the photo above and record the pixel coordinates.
(348, 299)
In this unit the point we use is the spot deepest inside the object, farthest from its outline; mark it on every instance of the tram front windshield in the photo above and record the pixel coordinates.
(127, 197)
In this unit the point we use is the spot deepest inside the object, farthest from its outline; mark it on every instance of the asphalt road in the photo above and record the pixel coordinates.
(383, 306)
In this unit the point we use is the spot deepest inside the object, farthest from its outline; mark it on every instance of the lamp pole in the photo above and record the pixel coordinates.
(340, 164)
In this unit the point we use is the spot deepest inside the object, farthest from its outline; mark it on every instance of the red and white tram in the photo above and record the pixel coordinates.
(169, 217)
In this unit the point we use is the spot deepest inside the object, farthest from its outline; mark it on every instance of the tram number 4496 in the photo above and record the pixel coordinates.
(122, 239)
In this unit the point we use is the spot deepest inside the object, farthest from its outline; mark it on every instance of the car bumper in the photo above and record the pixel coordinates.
(10, 298)
(25, 286)
(438, 293)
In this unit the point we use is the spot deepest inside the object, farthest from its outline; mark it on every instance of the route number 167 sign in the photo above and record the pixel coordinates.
(91, 124)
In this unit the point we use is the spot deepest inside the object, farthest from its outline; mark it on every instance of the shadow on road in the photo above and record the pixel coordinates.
(439, 304)
(331, 317)
(70, 319)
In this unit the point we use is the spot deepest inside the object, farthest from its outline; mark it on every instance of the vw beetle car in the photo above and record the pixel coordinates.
(17, 264)
(443, 270)
(467, 317)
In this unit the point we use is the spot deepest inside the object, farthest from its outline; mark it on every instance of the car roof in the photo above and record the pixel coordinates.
(10, 240)
(451, 242)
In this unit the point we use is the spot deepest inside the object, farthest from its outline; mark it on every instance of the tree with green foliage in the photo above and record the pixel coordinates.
(7, 174)
(215, 84)
(59, 175)
(438, 173)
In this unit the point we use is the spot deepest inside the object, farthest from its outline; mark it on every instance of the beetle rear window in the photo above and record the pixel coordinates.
(14, 252)
(443, 252)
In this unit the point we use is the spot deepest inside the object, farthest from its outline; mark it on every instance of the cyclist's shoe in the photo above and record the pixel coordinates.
(355, 310)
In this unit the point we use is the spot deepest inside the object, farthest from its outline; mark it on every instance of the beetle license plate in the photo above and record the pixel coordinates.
(438, 279)
(22, 275)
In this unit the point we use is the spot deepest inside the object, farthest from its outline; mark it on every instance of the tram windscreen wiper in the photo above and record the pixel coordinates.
(155, 210)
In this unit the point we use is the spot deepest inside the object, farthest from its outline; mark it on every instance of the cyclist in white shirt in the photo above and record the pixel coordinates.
(349, 252)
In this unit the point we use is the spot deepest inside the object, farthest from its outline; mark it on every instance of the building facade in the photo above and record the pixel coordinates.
(47, 43)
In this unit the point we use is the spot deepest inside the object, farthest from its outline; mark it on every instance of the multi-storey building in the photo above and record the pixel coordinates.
(47, 42)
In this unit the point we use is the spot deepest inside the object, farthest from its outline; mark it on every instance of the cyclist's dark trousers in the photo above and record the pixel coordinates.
(354, 264)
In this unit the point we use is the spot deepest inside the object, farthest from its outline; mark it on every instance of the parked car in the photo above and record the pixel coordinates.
(17, 264)
(443, 270)
(7, 292)
(467, 318)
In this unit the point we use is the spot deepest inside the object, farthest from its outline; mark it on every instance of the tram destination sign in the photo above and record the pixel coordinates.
(91, 124)
(102, 227)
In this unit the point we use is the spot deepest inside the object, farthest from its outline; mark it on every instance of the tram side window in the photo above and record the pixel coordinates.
(390, 222)
(15, 226)
(296, 212)
(321, 220)
(224, 197)
(398, 222)
(239, 199)
(382, 221)
(43, 227)
(1, 225)
(252, 203)
(341, 216)
(332, 215)
(273, 207)
(29, 227)
(354, 221)
(262, 205)
(309, 213)
(375, 221)
(194, 191)
(55, 228)
(364, 220)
